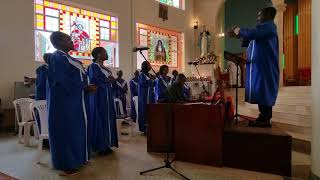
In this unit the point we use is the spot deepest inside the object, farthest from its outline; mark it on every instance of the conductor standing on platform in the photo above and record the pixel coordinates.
(262, 68)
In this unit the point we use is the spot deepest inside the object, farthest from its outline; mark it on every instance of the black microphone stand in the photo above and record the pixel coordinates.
(167, 162)
(147, 60)
(237, 115)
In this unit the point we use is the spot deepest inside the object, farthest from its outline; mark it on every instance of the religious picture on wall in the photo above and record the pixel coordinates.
(79, 35)
(165, 46)
(163, 12)
(87, 30)
(160, 52)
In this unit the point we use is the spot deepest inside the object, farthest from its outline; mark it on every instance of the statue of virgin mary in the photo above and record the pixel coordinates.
(204, 42)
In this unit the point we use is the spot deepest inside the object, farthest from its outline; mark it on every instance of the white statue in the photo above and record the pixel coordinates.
(204, 42)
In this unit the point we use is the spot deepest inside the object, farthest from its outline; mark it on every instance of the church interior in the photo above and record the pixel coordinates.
(209, 136)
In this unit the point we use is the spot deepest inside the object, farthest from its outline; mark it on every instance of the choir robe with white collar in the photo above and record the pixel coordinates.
(67, 115)
(102, 125)
(134, 92)
(41, 88)
(146, 96)
(187, 91)
(41, 82)
(161, 88)
(120, 84)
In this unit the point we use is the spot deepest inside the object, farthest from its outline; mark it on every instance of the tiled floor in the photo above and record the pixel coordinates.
(124, 164)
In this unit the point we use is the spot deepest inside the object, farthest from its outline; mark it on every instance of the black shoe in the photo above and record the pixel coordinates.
(106, 152)
(125, 123)
(261, 124)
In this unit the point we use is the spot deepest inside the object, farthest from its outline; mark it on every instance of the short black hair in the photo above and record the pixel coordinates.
(162, 68)
(119, 71)
(144, 66)
(46, 57)
(56, 37)
(181, 77)
(95, 52)
(175, 72)
(271, 12)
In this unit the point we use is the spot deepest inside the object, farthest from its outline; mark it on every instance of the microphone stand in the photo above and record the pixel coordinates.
(203, 86)
(237, 115)
(167, 161)
(140, 51)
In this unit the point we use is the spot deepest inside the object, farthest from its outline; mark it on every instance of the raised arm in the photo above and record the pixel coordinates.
(260, 32)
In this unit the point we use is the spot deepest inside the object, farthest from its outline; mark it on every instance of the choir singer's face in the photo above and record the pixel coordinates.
(66, 43)
(104, 55)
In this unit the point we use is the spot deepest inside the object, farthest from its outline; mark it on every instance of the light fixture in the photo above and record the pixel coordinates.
(221, 35)
(195, 25)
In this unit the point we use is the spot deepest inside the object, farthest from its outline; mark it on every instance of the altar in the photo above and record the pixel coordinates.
(207, 75)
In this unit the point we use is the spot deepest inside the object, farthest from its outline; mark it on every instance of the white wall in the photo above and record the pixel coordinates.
(17, 34)
(315, 144)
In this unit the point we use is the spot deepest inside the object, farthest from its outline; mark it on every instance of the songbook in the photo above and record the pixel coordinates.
(234, 58)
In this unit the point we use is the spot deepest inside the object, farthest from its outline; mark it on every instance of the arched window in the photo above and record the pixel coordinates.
(87, 29)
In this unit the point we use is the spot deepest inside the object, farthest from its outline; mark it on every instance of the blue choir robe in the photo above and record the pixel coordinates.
(41, 87)
(67, 113)
(121, 88)
(134, 92)
(186, 91)
(161, 88)
(41, 82)
(262, 68)
(145, 96)
(172, 80)
(112, 114)
(101, 128)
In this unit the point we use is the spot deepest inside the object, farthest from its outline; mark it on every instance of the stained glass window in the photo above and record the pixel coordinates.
(87, 29)
(165, 46)
(175, 3)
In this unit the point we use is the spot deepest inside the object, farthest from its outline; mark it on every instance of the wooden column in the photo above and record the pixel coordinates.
(281, 7)
(304, 42)
(290, 43)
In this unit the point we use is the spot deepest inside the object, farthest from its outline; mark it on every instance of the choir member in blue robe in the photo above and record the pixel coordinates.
(187, 91)
(41, 83)
(67, 115)
(41, 79)
(134, 92)
(162, 83)
(121, 90)
(102, 126)
(262, 76)
(174, 76)
(145, 94)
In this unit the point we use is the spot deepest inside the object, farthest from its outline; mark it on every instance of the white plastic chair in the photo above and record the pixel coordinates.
(24, 119)
(121, 116)
(136, 107)
(40, 108)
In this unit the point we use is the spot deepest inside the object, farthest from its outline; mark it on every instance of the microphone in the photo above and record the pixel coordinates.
(194, 63)
(142, 48)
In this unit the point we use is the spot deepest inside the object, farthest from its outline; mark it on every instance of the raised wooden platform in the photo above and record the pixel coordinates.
(258, 149)
(292, 112)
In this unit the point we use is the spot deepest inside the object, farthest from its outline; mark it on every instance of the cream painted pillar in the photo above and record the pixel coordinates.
(281, 7)
(315, 55)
